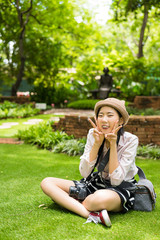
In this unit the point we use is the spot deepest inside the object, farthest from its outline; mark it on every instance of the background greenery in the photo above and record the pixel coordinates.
(90, 103)
(43, 136)
(22, 169)
(14, 110)
(60, 49)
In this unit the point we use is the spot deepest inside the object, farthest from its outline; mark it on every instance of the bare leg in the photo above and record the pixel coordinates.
(58, 189)
(103, 199)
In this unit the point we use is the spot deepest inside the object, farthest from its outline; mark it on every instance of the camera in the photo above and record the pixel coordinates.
(79, 191)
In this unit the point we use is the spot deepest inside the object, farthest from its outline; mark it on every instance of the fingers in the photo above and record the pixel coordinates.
(115, 129)
(95, 126)
(92, 123)
(98, 132)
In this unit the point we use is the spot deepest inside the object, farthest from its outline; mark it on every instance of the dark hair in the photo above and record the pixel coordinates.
(121, 130)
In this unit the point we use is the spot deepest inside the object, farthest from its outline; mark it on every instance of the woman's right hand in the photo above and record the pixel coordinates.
(97, 134)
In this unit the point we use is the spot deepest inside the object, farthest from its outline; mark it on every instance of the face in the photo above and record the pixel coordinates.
(108, 117)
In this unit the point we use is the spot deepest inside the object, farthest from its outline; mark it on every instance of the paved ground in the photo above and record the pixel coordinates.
(55, 111)
(10, 141)
(70, 111)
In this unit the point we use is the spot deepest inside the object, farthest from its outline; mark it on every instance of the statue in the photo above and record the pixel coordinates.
(106, 82)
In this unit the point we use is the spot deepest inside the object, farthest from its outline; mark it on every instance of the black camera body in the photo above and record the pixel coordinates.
(79, 191)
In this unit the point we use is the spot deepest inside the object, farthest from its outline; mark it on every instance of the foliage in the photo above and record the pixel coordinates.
(90, 103)
(142, 112)
(123, 8)
(76, 147)
(83, 104)
(64, 56)
(149, 151)
(71, 147)
(42, 135)
(51, 43)
(8, 105)
(13, 110)
(135, 76)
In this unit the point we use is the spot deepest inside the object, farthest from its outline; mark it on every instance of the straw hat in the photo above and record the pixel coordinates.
(115, 103)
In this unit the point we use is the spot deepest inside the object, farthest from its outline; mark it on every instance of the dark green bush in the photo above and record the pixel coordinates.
(83, 104)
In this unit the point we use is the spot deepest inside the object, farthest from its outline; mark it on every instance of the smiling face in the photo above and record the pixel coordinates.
(107, 118)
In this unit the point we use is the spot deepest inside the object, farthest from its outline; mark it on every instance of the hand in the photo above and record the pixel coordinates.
(112, 136)
(97, 134)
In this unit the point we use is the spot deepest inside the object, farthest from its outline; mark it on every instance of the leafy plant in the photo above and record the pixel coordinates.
(142, 112)
(149, 151)
(42, 135)
(8, 105)
(14, 110)
(71, 147)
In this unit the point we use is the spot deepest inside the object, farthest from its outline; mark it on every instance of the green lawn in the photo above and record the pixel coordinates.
(22, 167)
(10, 132)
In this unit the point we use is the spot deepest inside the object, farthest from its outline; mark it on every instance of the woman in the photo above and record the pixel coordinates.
(107, 192)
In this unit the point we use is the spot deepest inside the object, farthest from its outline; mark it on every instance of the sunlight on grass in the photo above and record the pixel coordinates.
(22, 169)
(10, 132)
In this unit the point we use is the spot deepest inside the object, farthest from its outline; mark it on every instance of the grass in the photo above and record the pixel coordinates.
(22, 169)
(6, 133)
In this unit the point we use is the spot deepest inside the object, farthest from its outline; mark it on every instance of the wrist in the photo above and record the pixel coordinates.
(96, 145)
(113, 143)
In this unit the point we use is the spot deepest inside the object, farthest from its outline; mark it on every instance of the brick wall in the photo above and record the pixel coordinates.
(15, 99)
(147, 102)
(147, 128)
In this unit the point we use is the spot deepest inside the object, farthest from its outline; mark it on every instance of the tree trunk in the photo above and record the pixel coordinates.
(23, 23)
(141, 43)
(16, 85)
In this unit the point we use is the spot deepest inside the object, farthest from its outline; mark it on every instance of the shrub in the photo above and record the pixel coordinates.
(8, 105)
(71, 147)
(14, 110)
(83, 104)
(142, 112)
(42, 135)
(149, 151)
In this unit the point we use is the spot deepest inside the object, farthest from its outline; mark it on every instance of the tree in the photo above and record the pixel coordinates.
(123, 7)
(23, 18)
(45, 38)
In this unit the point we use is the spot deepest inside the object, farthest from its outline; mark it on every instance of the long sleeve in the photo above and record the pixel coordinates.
(126, 157)
(85, 166)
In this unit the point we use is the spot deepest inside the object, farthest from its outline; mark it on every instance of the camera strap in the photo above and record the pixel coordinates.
(103, 160)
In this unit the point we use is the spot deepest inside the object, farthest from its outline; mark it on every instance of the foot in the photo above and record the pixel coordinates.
(100, 217)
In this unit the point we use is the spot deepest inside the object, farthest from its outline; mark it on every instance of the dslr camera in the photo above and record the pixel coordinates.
(79, 191)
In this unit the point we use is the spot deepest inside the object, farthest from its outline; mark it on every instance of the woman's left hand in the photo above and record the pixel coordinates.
(112, 136)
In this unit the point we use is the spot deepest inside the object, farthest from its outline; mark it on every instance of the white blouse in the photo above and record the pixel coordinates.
(126, 151)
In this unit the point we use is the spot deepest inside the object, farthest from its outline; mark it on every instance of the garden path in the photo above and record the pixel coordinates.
(70, 111)
(55, 111)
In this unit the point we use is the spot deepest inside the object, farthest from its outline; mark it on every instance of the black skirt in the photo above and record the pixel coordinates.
(125, 190)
